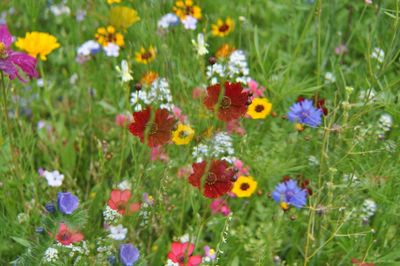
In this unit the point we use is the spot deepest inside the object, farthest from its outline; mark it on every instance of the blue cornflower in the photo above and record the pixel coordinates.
(128, 254)
(67, 203)
(289, 193)
(304, 112)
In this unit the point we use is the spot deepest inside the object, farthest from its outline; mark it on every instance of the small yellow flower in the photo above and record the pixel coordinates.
(284, 205)
(145, 56)
(110, 2)
(299, 127)
(123, 17)
(149, 77)
(185, 8)
(244, 186)
(259, 108)
(38, 43)
(224, 51)
(109, 35)
(182, 135)
(222, 28)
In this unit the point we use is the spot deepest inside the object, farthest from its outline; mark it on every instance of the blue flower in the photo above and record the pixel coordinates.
(304, 112)
(289, 193)
(128, 254)
(67, 203)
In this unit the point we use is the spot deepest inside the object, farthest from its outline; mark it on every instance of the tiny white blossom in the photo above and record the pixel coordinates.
(118, 232)
(111, 49)
(88, 48)
(50, 255)
(200, 45)
(54, 178)
(168, 20)
(378, 54)
(329, 77)
(189, 23)
(124, 185)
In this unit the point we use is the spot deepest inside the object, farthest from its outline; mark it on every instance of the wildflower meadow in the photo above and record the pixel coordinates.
(200, 132)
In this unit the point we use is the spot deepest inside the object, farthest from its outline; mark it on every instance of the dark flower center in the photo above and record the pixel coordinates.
(244, 186)
(152, 128)
(224, 28)
(111, 37)
(65, 235)
(226, 102)
(121, 205)
(146, 56)
(259, 108)
(3, 51)
(183, 134)
(289, 194)
(188, 10)
(181, 259)
(304, 114)
(211, 179)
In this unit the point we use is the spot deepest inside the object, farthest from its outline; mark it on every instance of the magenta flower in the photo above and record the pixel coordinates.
(11, 62)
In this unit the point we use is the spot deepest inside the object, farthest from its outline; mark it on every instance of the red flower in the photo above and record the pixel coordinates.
(119, 201)
(360, 263)
(218, 179)
(181, 253)
(233, 104)
(66, 236)
(158, 130)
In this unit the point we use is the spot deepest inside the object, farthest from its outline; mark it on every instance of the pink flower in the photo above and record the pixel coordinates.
(242, 170)
(341, 49)
(198, 93)
(255, 89)
(122, 120)
(178, 114)
(66, 236)
(234, 126)
(11, 62)
(158, 153)
(185, 171)
(181, 253)
(220, 206)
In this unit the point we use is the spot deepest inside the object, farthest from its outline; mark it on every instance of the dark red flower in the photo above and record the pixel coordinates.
(233, 104)
(361, 263)
(319, 103)
(181, 253)
(158, 130)
(218, 179)
(119, 201)
(66, 236)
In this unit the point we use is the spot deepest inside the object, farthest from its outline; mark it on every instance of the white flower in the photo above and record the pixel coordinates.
(88, 48)
(50, 255)
(368, 96)
(329, 77)
(73, 79)
(200, 45)
(237, 67)
(60, 9)
(40, 83)
(124, 71)
(385, 122)
(111, 49)
(54, 179)
(168, 20)
(171, 263)
(378, 54)
(189, 23)
(124, 185)
(118, 232)
(369, 208)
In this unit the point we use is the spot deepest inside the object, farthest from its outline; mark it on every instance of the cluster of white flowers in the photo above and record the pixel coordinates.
(236, 69)
(110, 215)
(368, 210)
(103, 250)
(220, 146)
(158, 93)
(351, 179)
(118, 232)
(50, 255)
(313, 161)
(329, 77)
(60, 9)
(378, 54)
(385, 122)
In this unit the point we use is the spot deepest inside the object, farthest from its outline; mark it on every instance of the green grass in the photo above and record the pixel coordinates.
(290, 46)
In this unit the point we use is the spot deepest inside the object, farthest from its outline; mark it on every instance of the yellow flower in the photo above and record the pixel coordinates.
(123, 17)
(259, 108)
(244, 186)
(109, 35)
(38, 43)
(222, 28)
(110, 2)
(182, 135)
(185, 8)
(284, 205)
(224, 51)
(145, 56)
(149, 77)
(299, 127)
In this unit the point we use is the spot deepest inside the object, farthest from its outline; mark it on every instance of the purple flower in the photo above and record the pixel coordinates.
(304, 112)
(290, 193)
(11, 62)
(128, 254)
(67, 203)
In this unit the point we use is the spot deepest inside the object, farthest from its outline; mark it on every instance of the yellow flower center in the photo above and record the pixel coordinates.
(284, 206)
(3, 51)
